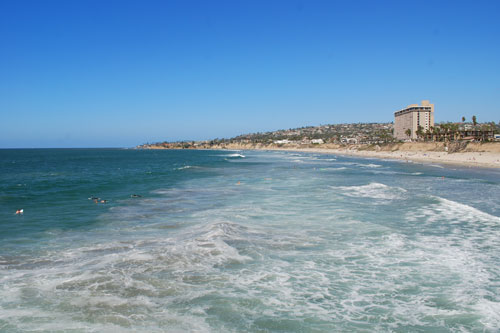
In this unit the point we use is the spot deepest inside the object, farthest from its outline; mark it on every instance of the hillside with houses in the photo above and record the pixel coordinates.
(343, 134)
(359, 133)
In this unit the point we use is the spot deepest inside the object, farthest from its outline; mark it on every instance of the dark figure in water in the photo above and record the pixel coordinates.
(136, 196)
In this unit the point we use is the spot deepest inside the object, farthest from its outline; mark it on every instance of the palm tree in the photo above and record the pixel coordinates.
(428, 135)
(484, 131)
(420, 131)
(408, 132)
(474, 120)
(454, 130)
(437, 130)
(463, 119)
(443, 128)
(493, 126)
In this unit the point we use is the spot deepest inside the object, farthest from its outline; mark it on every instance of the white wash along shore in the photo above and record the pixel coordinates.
(485, 155)
(469, 159)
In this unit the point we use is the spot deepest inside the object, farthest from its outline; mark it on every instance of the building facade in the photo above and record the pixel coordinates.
(411, 117)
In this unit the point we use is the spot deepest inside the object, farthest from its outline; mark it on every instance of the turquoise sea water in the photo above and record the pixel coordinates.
(248, 241)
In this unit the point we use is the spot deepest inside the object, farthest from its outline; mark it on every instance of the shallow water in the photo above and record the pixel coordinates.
(245, 241)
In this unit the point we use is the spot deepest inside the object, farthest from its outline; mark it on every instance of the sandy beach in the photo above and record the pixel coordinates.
(469, 159)
(484, 155)
(473, 154)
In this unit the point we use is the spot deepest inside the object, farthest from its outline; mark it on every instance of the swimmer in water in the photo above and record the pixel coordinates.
(19, 212)
(136, 196)
(104, 201)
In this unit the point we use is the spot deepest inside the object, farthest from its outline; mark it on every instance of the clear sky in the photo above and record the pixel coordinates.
(121, 73)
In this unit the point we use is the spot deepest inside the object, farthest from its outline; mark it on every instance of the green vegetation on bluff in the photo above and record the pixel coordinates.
(342, 134)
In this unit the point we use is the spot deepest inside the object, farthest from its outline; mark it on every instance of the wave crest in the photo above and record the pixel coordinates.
(372, 190)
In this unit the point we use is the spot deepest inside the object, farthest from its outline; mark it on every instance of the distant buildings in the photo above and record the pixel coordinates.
(352, 141)
(282, 142)
(411, 118)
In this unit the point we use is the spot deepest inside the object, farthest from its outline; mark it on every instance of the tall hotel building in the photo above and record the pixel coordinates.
(411, 117)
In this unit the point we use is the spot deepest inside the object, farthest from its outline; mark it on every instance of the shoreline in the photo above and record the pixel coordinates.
(466, 159)
(473, 156)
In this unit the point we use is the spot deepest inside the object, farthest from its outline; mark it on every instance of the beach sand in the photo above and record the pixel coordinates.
(484, 155)
(469, 159)
(473, 154)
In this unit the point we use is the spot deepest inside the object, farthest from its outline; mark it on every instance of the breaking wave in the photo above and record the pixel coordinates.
(372, 190)
(445, 210)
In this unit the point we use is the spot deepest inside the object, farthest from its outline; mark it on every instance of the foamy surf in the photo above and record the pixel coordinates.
(333, 169)
(184, 167)
(452, 212)
(266, 246)
(372, 190)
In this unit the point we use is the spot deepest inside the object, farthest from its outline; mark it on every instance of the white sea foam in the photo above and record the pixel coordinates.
(184, 167)
(372, 190)
(333, 169)
(236, 155)
(451, 212)
(363, 165)
(279, 255)
(114, 279)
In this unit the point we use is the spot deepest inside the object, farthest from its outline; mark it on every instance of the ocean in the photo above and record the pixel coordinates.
(245, 241)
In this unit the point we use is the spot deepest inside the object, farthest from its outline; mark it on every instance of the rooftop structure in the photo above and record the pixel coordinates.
(411, 118)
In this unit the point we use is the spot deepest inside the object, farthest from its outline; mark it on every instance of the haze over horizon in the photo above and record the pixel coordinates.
(122, 73)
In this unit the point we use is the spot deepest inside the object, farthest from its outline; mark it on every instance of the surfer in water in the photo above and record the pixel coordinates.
(19, 212)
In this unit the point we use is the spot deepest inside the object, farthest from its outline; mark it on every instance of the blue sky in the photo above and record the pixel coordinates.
(121, 73)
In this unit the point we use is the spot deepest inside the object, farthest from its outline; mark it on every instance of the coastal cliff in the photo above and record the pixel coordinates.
(453, 147)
